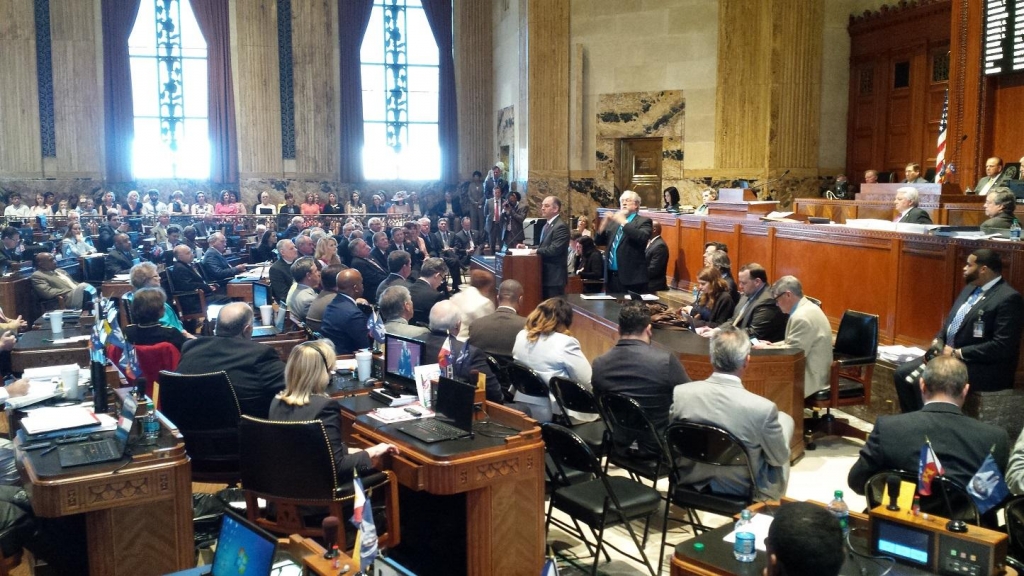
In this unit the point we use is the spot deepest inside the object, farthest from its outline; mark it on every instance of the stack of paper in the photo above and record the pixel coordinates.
(51, 419)
(899, 354)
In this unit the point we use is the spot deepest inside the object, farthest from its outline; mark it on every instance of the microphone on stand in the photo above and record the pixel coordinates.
(330, 527)
(893, 483)
(771, 181)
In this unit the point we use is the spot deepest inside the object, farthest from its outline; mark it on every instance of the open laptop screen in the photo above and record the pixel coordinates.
(125, 419)
(260, 295)
(401, 356)
(243, 549)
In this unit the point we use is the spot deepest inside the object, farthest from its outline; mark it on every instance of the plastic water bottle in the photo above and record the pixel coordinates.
(743, 548)
(841, 511)
(1015, 231)
(150, 426)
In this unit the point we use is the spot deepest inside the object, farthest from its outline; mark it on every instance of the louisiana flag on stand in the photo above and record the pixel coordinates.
(928, 469)
(365, 550)
(987, 487)
(376, 327)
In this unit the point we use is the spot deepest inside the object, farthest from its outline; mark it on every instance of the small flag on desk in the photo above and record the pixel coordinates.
(444, 358)
(365, 550)
(929, 468)
(987, 487)
(376, 327)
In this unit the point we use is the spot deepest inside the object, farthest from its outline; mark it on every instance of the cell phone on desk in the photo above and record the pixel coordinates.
(754, 341)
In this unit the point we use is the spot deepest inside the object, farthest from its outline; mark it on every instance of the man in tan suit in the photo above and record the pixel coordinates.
(50, 283)
(807, 329)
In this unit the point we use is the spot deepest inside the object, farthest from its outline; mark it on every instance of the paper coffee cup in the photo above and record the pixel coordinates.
(364, 365)
(57, 321)
(69, 376)
(267, 314)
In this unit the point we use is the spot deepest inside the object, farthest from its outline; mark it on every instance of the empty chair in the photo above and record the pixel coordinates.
(572, 396)
(599, 502)
(291, 465)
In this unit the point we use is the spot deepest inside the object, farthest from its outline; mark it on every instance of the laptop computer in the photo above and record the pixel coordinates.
(243, 549)
(453, 418)
(104, 450)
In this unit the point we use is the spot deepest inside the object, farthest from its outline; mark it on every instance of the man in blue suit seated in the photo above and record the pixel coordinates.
(344, 323)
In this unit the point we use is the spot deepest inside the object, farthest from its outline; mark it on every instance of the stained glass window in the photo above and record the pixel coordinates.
(400, 91)
(169, 92)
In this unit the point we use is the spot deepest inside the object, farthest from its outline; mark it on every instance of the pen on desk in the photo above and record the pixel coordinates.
(48, 450)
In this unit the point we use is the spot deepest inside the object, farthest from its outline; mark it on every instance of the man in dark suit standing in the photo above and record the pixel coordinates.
(554, 243)
(960, 442)
(492, 219)
(656, 256)
(424, 290)
(982, 328)
(756, 312)
(513, 214)
(907, 211)
(255, 370)
(371, 272)
(626, 233)
(344, 323)
(496, 333)
(121, 257)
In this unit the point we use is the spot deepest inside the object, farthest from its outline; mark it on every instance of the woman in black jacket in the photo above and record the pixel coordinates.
(714, 305)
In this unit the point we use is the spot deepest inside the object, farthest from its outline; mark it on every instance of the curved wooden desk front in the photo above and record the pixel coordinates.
(502, 481)
(138, 518)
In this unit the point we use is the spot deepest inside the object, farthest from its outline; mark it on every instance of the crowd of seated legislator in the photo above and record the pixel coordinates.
(333, 263)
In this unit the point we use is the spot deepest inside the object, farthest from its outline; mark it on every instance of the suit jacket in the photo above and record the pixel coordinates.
(991, 359)
(496, 333)
(216, 266)
(473, 359)
(437, 242)
(118, 263)
(632, 265)
(327, 411)
(315, 314)
(762, 319)
(423, 299)
(916, 216)
(1001, 221)
(961, 444)
(808, 329)
(643, 372)
(591, 266)
(302, 298)
(656, 256)
(105, 241)
(461, 241)
(373, 275)
(489, 185)
(401, 327)
(280, 280)
(378, 257)
(757, 423)
(185, 278)
(50, 285)
(345, 324)
(392, 280)
(552, 249)
(255, 370)
(489, 221)
(512, 224)
(720, 313)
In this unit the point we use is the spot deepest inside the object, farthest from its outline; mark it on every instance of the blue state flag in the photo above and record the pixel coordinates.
(987, 487)
(550, 568)
(365, 549)
(376, 327)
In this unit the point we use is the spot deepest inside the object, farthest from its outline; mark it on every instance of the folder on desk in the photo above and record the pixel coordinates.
(51, 419)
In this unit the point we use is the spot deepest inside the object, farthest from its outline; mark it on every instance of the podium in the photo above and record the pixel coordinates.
(524, 269)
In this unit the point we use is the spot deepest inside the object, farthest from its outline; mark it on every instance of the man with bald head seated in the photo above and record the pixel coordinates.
(187, 276)
(120, 257)
(993, 168)
(496, 333)
(368, 268)
(255, 370)
(344, 323)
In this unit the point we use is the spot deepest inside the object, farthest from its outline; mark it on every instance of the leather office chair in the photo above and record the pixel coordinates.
(153, 359)
(571, 395)
(693, 442)
(205, 409)
(960, 501)
(598, 502)
(853, 363)
(291, 465)
(636, 446)
(1014, 510)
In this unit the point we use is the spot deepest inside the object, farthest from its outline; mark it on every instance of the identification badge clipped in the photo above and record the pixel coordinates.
(979, 328)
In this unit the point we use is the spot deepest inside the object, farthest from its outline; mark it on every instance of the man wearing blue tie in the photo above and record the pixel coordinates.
(626, 233)
(983, 329)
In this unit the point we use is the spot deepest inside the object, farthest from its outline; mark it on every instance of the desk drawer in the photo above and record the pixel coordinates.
(409, 473)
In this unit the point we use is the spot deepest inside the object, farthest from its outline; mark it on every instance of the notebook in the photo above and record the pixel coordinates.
(453, 417)
(242, 550)
(104, 450)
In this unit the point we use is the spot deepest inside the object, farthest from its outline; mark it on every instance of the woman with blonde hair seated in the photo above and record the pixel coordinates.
(327, 251)
(714, 305)
(306, 376)
(548, 347)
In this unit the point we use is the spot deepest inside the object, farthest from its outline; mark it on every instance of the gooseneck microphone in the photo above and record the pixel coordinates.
(893, 484)
(330, 527)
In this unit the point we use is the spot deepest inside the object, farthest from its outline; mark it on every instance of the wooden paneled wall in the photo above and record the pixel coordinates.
(76, 47)
(20, 154)
(548, 58)
(257, 89)
(769, 86)
(315, 73)
(473, 85)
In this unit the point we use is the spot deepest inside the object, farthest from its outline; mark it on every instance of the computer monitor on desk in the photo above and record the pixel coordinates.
(401, 356)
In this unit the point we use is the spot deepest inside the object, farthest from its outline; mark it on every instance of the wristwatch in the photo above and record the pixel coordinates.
(958, 354)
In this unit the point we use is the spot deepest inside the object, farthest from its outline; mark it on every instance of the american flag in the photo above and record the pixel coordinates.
(940, 153)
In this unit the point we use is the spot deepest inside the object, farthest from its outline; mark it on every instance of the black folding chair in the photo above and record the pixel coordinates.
(571, 395)
(636, 446)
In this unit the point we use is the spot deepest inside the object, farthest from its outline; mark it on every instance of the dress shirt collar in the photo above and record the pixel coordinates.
(351, 299)
(728, 379)
(509, 308)
(988, 285)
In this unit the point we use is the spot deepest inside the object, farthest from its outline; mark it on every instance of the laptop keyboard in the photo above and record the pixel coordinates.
(440, 429)
(98, 450)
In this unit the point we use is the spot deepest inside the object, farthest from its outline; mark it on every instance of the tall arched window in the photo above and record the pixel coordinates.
(169, 92)
(400, 85)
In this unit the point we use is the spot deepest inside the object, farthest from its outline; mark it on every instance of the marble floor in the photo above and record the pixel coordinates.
(815, 477)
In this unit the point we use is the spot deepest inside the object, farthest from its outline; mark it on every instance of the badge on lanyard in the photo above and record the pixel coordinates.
(979, 326)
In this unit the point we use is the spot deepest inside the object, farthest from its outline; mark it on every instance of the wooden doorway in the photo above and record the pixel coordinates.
(639, 169)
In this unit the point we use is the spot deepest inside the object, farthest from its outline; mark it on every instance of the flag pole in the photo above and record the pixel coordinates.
(954, 525)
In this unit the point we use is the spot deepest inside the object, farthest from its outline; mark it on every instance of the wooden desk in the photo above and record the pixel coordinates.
(114, 289)
(480, 499)
(777, 375)
(138, 521)
(31, 351)
(523, 269)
